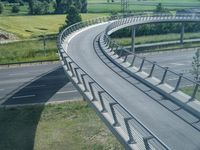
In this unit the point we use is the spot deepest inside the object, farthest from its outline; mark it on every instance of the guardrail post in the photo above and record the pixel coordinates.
(194, 92)
(84, 84)
(76, 72)
(133, 40)
(92, 91)
(131, 139)
(164, 75)
(115, 51)
(178, 82)
(146, 144)
(141, 65)
(120, 54)
(182, 33)
(133, 60)
(112, 46)
(65, 63)
(125, 58)
(152, 69)
(116, 123)
(70, 65)
(102, 102)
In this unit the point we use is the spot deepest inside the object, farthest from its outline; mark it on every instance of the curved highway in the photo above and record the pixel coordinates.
(171, 129)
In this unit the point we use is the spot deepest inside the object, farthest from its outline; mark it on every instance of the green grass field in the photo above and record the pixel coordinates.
(155, 38)
(71, 126)
(26, 51)
(34, 26)
(189, 91)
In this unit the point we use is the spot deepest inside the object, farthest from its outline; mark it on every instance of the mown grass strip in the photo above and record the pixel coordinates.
(73, 126)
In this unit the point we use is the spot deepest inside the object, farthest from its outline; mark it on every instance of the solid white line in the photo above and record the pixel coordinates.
(66, 92)
(16, 74)
(24, 96)
(177, 64)
(172, 79)
(35, 86)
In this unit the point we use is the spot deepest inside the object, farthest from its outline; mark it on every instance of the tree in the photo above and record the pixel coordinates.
(73, 16)
(37, 7)
(15, 9)
(84, 6)
(196, 65)
(160, 8)
(1, 7)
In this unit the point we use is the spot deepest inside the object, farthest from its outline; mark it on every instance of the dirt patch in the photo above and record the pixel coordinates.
(6, 37)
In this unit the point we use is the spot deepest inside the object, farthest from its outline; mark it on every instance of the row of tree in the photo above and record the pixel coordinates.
(158, 28)
(60, 6)
(37, 7)
(15, 8)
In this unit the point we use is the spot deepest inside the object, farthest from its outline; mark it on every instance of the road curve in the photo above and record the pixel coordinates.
(171, 129)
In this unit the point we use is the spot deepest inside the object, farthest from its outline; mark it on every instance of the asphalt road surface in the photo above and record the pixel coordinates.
(35, 84)
(147, 105)
(177, 61)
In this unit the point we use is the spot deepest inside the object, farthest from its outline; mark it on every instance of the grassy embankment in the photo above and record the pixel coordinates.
(189, 90)
(28, 27)
(72, 126)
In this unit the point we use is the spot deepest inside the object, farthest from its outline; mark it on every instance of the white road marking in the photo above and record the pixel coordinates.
(24, 96)
(73, 91)
(2, 89)
(177, 64)
(35, 86)
(173, 79)
(16, 74)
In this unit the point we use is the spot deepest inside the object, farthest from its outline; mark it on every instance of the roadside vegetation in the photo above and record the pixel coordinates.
(27, 51)
(155, 38)
(189, 90)
(72, 125)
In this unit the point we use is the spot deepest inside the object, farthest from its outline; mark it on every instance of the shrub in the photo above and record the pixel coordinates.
(15, 9)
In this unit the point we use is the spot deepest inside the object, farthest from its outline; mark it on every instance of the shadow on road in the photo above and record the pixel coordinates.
(18, 124)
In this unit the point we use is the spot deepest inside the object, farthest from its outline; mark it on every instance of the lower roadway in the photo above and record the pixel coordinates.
(35, 84)
(170, 128)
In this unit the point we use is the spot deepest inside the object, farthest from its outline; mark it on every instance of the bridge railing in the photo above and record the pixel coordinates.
(165, 76)
(135, 19)
(134, 131)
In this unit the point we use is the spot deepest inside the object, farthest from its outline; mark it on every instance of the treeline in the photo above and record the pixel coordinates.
(60, 6)
(158, 28)
(37, 7)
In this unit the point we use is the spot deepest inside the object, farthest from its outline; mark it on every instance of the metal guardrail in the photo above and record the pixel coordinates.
(135, 130)
(131, 20)
(141, 63)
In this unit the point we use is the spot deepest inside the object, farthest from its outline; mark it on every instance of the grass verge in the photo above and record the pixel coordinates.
(189, 90)
(26, 51)
(72, 126)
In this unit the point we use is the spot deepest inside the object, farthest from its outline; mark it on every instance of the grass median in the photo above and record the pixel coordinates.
(72, 126)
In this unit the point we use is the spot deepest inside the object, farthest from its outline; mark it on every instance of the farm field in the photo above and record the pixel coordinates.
(34, 26)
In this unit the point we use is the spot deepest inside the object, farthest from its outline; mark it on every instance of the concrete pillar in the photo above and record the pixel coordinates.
(182, 33)
(133, 39)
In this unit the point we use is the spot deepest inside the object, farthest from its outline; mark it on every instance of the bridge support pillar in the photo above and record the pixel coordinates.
(182, 33)
(133, 39)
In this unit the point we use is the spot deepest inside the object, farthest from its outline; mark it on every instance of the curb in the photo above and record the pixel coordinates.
(23, 64)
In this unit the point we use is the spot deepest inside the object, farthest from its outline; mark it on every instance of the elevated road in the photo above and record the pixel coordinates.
(143, 111)
(174, 131)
